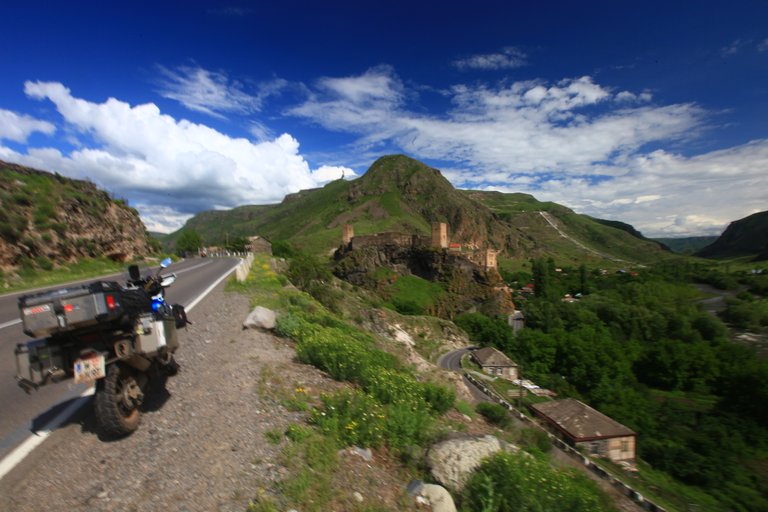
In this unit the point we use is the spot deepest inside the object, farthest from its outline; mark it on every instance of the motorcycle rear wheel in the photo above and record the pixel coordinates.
(117, 401)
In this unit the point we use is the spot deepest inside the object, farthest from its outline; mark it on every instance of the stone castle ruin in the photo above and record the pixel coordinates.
(485, 258)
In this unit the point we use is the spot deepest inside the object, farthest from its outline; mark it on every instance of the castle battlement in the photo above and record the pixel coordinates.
(439, 239)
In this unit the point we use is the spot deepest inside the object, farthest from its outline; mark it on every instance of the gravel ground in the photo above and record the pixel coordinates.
(201, 445)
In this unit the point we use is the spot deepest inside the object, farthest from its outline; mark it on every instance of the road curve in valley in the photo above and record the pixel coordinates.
(452, 361)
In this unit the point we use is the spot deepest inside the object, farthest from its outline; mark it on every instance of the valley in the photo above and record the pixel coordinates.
(374, 279)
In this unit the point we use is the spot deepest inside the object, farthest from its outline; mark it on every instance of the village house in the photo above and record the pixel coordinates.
(582, 426)
(495, 362)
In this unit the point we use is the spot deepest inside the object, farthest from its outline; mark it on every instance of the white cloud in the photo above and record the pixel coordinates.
(18, 127)
(575, 142)
(665, 194)
(732, 49)
(209, 92)
(507, 58)
(523, 127)
(326, 173)
(762, 46)
(156, 160)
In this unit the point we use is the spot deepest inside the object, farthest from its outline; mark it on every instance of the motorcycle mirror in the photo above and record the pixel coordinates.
(166, 262)
(134, 273)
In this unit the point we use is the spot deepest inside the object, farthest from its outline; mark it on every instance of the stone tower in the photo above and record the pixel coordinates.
(347, 233)
(439, 235)
(490, 258)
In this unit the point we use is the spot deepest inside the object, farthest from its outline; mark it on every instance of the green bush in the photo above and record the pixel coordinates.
(440, 398)
(407, 425)
(494, 413)
(508, 482)
(352, 418)
(283, 249)
(341, 359)
(44, 263)
(303, 269)
(536, 439)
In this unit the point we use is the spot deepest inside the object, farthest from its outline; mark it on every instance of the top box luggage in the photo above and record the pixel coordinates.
(68, 309)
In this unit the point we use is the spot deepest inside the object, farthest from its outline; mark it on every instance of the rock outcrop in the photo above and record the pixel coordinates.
(47, 220)
(453, 461)
(469, 286)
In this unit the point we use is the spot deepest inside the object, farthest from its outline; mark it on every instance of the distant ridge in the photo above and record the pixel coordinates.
(743, 237)
(686, 245)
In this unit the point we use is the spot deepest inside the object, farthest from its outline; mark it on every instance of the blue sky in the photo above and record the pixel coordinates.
(650, 113)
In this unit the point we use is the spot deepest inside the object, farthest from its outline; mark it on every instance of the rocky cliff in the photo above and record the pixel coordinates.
(48, 220)
(468, 287)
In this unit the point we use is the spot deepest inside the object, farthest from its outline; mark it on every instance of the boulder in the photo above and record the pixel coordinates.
(436, 497)
(452, 461)
(260, 318)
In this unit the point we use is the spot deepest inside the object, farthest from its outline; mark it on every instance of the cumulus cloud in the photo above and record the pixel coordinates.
(154, 159)
(508, 58)
(326, 173)
(18, 127)
(667, 194)
(212, 93)
(573, 126)
(574, 141)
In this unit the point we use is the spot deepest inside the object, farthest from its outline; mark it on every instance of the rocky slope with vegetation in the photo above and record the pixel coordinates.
(47, 220)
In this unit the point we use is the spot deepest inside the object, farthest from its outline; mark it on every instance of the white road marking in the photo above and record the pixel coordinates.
(10, 323)
(33, 441)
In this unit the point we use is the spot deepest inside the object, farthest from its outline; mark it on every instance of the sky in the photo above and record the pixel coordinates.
(651, 113)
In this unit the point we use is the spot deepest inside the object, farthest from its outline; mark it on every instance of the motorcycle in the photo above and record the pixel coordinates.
(116, 337)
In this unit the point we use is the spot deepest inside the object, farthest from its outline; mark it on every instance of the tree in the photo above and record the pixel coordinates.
(189, 241)
(238, 244)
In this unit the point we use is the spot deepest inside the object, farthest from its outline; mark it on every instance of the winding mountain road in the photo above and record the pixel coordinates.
(452, 361)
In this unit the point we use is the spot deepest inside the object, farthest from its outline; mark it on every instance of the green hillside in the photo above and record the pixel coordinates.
(401, 194)
(548, 229)
(743, 237)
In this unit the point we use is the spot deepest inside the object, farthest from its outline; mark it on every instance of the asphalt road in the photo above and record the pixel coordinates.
(21, 413)
(452, 361)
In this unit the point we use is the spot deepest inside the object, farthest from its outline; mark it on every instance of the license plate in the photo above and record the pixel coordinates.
(90, 369)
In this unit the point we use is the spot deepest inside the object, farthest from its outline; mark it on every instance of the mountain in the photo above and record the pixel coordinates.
(686, 245)
(744, 237)
(46, 220)
(401, 194)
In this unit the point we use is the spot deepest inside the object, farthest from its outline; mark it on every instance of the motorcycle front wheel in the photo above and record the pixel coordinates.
(117, 400)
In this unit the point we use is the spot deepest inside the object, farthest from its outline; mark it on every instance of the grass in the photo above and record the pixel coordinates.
(31, 278)
(411, 295)
(664, 490)
(265, 287)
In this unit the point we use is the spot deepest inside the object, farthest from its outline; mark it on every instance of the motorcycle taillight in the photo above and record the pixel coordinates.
(111, 304)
